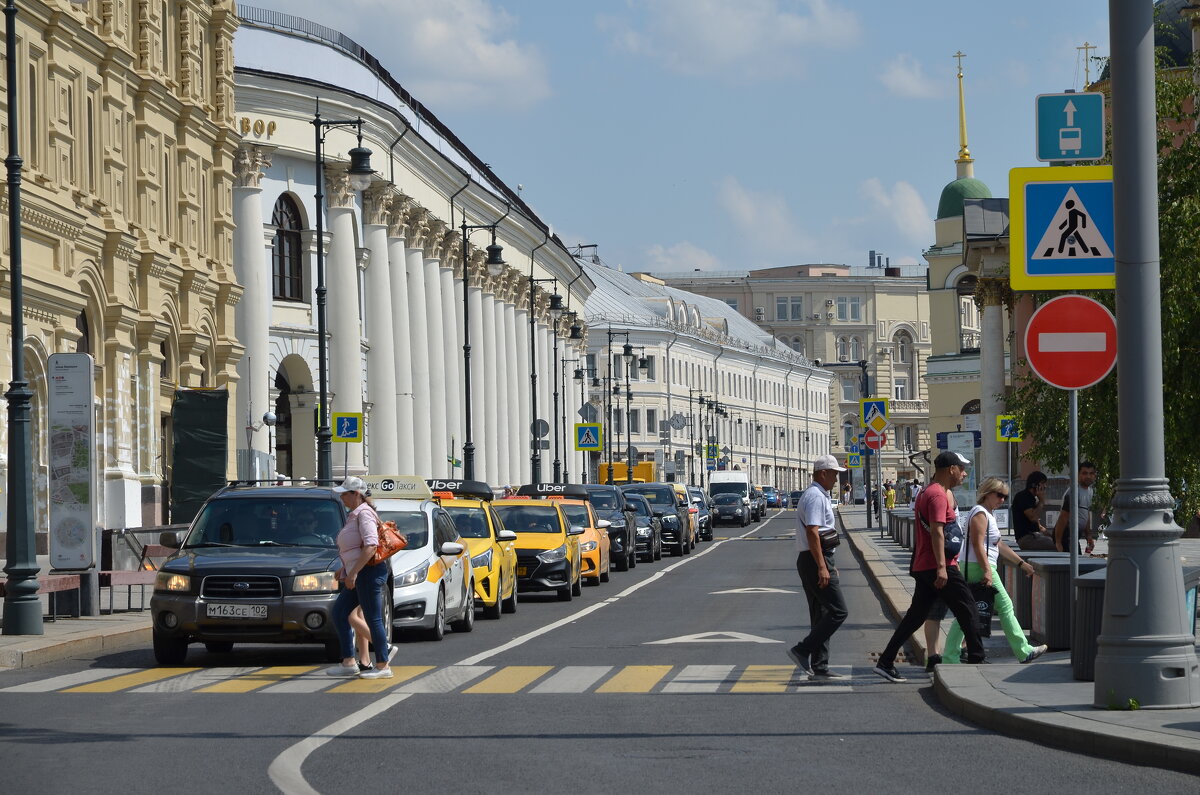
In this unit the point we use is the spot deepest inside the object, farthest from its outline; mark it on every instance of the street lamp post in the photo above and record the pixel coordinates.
(22, 607)
(555, 310)
(360, 179)
(495, 265)
(562, 416)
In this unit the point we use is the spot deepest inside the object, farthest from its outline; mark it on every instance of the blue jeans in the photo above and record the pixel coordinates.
(367, 593)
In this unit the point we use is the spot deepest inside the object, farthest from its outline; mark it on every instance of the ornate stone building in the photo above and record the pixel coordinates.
(128, 143)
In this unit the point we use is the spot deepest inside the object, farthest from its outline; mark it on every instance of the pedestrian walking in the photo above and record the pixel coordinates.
(889, 498)
(362, 584)
(1026, 515)
(982, 550)
(816, 538)
(933, 570)
(1062, 535)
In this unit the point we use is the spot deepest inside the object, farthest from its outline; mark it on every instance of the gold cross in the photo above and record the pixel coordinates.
(1087, 72)
(959, 56)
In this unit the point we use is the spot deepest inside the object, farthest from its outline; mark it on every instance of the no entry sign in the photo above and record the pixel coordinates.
(1071, 342)
(875, 439)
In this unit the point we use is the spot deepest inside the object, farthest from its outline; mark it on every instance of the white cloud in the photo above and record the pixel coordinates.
(763, 219)
(683, 256)
(748, 39)
(448, 53)
(904, 77)
(903, 207)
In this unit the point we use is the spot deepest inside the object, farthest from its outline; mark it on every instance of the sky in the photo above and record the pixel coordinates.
(731, 134)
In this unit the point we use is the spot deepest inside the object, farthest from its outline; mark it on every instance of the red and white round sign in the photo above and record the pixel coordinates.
(1071, 342)
(874, 439)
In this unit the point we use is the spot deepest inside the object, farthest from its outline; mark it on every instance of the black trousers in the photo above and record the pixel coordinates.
(956, 595)
(826, 608)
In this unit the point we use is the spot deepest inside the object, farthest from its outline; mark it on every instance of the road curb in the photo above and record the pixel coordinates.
(963, 690)
(32, 651)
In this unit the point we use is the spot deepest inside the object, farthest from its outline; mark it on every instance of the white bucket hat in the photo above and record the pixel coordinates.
(352, 483)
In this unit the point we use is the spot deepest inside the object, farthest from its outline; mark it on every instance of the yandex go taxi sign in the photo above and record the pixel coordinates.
(1071, 342)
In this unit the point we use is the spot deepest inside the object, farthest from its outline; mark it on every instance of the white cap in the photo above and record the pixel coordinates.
(351, 483)
(827, 462)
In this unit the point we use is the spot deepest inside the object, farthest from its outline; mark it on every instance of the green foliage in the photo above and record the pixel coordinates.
(1042, 409)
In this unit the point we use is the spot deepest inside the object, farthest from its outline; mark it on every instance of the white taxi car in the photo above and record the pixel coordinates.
(433, 582)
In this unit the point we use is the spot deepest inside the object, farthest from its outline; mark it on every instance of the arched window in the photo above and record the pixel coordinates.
(798, 344)
(903, 346)
(286, 260)
(843, 348)
(855, 349)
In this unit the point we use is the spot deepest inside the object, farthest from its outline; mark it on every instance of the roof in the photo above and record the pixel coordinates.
(985, 219)
(953, 195)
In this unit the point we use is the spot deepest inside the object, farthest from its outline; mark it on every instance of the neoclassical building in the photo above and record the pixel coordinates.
(394, 262)
(128, 142)
(774, 416)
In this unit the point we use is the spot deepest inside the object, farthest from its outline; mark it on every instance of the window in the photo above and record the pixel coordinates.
(286, 260)
(849, 390)
(650, 370)
(798, 344)
(651, 421)
(903, 347)
(855, 349)
(900, 389)
(789, 307)
(843, 348)
(733, 303)
(849, 309)
(635, 424)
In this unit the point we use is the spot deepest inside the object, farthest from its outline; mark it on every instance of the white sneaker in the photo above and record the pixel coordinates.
(376, 673)
(342, 670)
(1037, 651)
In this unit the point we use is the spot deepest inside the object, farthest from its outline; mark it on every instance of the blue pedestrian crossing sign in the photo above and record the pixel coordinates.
(588, 436)
(1007, 429)
(348, 427)
(713, 451)
(1061, 228)
(1070, 127)
(854, 461)
(873, 413)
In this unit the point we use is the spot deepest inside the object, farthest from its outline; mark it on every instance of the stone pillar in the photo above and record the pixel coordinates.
(484, 346)
(252, 315)
(990, 296)
(402, 339)
(452, 358)
(545, 345)
(381, 362)
(504, 417)
(345, 344)
(521, 435)
(513, 368)
(418, 324)
(435, 341)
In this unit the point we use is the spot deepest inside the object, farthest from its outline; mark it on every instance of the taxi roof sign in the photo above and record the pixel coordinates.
(561, 491)
(461, 489)
(398, 487)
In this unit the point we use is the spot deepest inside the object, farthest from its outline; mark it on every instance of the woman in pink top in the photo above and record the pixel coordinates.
(362, 584)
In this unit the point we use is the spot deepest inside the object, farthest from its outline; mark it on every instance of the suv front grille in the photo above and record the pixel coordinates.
(222, 586)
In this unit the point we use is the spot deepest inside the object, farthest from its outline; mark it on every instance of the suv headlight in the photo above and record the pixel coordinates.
(643, 531)
(588, 546)
(553, 555)
(167, 581)
(320, 582)
(413, 576)
(483, 559)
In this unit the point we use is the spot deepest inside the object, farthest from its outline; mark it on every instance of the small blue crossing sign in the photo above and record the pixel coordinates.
(588, 436)
(1061, 228)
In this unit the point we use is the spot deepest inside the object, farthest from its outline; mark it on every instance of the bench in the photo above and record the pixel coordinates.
(54, 584)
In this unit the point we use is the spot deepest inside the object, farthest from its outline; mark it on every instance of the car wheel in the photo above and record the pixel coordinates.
(577, 587)
(623, 562)
(658, 549)
(438, 630)
(168, 650)
(564, 593)
(385, 610)
(604, 574)
(492, 612)
(631, 562)
(466, 622)
(219, 646)
(510, 604)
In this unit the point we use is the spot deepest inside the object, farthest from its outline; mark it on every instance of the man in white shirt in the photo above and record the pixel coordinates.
(814, 562)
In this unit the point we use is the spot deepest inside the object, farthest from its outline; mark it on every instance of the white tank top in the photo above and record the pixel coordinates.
(993, 538)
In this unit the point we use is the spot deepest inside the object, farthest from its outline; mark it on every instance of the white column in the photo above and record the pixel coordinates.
(452, 360)
(381, 362)
(486, 390)
(418, 325)
(478, 400)
(435, 342)
(991, 376)
(345, 344)
(545, 406)
(513, 371)
(402, 344)
(504, 414)
(521, 437)
(252, 316)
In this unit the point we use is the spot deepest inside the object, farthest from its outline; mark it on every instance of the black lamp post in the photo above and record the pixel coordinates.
(555, 310)
(495, 265)
(562, 415)
(360, 179)
(22, 607)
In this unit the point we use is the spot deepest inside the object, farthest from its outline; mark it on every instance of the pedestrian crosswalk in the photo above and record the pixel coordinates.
(468, 680)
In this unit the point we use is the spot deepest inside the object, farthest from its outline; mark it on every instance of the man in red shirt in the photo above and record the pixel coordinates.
(936, 574)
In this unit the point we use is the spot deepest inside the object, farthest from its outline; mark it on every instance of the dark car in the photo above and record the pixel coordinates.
(758, 504)
(676, 518)
(728, 508)
(795, 496)
(704, 524)
(648, 528)
(773, 497)
(609, 503)
(256, 566)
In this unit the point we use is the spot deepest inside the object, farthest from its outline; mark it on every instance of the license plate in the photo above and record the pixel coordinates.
(221, 610)
(522, 571)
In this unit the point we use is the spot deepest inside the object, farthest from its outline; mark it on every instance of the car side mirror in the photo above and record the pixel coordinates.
(604, 524)
(506, 535)
(575, 531)
(170, 540)
(452, 548)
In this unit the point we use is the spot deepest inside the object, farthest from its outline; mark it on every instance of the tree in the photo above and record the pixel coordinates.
(1042, 409)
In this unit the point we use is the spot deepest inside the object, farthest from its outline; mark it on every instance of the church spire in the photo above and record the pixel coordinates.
(965, 162)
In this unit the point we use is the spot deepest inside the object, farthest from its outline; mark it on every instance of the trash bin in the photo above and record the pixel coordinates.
(1051, 599)
(1019, 586)
(906, 533)
(1089, 615)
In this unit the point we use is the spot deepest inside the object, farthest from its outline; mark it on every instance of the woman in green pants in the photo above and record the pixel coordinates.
(984, 544)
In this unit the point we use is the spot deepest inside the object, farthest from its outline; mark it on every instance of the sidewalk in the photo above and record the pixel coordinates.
(1041, 702)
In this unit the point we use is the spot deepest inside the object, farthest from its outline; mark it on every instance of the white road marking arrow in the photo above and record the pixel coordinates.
(713, 637)
(753, 590)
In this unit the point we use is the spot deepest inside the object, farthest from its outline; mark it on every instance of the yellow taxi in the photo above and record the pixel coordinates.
(594, 543)
(493, 549)
(548, 548)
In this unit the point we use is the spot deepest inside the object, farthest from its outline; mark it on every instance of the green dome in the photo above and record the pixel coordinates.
(951, 203)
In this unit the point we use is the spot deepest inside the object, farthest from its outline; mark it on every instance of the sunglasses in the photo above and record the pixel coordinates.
(1001, 494)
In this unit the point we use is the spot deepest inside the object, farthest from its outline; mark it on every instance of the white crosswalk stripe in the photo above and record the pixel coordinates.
(68, 680)
(202, 678)
(444, 680)
(699, 679)
(573, 679)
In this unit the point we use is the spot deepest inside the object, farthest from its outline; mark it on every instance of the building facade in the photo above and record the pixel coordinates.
(128, 142)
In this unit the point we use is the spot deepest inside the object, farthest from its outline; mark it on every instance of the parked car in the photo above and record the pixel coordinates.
(610, 504)
(795, 497)
(773, 497)
(493, 549)
(648, 528)
(758, 504)
(676, 517)
(729, 508)
(594, 545)
(548, 555)
(704, 517)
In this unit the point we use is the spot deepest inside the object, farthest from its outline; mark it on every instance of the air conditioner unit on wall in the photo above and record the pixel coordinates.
(828, 302)
(829, 315)
(817, 316)
(760, 313)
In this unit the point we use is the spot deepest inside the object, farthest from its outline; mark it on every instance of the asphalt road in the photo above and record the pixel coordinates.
(670, 678)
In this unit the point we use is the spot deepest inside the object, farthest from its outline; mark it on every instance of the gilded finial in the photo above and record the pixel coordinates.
(964, 153)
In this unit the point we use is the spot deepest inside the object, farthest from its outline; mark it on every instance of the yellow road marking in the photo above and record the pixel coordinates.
(257, 679)
(130, 680)
(635, 679)
(400, 673)
(764, 679)
(510, 679)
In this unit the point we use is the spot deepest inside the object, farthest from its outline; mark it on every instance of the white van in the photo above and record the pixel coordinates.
(731, 483)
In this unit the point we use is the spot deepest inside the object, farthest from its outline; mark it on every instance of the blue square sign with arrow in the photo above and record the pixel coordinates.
(1070, 127)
